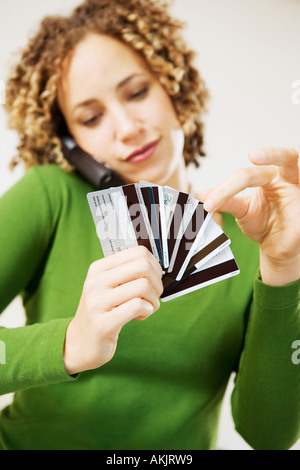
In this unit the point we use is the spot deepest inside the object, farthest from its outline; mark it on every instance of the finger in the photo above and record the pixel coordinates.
(237, 206)
(136, 269)
(237, 182)
(125, 256)
(285, 158)
(133, 309)
(139, 288)
(205, 194)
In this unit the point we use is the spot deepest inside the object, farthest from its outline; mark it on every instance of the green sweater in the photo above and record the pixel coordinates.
(164, 387)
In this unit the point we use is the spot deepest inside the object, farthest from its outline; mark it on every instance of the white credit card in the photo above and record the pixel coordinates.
(112, 221)
(120, 221)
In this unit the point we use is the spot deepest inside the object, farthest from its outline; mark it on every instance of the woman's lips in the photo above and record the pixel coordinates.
(143, 152)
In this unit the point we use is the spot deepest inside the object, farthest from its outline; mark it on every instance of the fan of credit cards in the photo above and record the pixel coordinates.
(190, 246)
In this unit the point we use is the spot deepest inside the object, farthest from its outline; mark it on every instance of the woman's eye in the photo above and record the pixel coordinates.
(139, 94)
(91, 121)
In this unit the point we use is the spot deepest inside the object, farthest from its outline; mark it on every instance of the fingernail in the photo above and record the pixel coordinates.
(149, 308)
(258, 155)
(209, 205)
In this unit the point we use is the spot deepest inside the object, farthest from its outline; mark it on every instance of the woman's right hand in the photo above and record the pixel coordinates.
(117, 289)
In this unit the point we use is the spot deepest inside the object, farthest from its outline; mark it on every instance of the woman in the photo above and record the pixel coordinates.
(118, 77)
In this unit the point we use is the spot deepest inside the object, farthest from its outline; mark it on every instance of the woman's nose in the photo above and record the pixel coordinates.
(126, 125)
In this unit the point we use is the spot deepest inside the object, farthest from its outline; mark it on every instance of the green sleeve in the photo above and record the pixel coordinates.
(31, 355)
(27, 224)
(266, 396)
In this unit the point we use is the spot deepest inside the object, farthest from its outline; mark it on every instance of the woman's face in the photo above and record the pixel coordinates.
(117, 110)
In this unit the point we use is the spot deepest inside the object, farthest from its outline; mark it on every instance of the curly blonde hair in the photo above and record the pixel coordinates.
(146, 26)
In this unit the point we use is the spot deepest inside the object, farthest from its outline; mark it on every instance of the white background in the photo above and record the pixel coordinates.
(248, 54)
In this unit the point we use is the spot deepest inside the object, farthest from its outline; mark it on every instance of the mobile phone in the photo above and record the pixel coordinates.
(97, 174)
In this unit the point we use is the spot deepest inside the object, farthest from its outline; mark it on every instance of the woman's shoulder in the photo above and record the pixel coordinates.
(51, 173)
(48, 186)
(55, 179)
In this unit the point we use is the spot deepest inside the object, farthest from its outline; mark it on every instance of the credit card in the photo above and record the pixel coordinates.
(158, 217)
(214, 240)
(139, 217)
(175, 202)
(153, 216)
(112, 221)
(220, 267)
(191, 247)
(120, 219)
(192, 235)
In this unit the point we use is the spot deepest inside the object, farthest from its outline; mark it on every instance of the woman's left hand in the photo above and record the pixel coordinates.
(271, 214)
